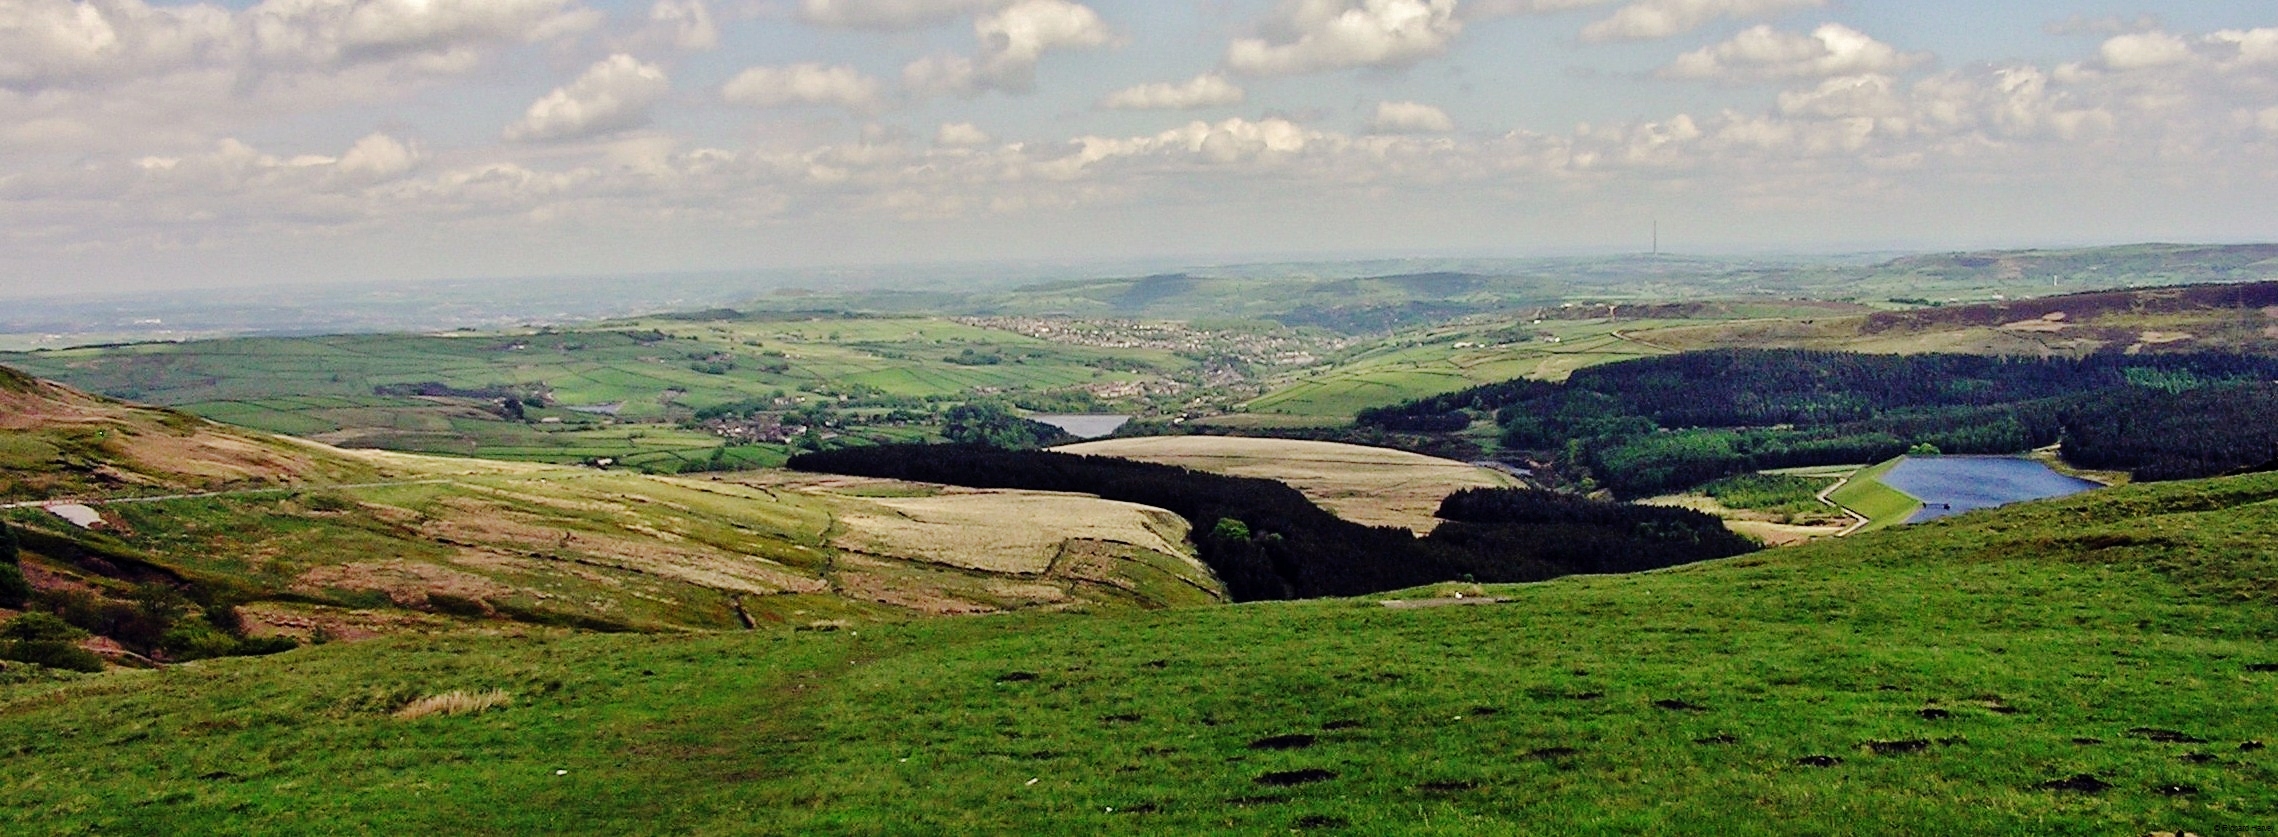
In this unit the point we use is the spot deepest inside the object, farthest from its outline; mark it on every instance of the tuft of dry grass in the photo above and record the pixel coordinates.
(454, 702)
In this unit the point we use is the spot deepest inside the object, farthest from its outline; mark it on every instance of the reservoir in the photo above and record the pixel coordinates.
(1949, 485)
(1085, 426)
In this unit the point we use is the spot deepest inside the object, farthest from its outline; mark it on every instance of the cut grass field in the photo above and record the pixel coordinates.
(2095, 665)
(1883, 506)
(1375, 486)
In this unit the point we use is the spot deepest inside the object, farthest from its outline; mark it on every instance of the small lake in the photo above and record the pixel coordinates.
(79, 515)
(1086, 426)
(1950, 485)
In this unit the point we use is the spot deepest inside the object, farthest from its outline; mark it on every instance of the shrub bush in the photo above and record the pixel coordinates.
(45, 640)
(60, 655)
(40, 627)
(14, 589)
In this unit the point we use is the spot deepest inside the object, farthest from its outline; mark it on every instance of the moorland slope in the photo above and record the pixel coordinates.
(2096, 665)
(307, 541)
(56, 441)
(2234, 317)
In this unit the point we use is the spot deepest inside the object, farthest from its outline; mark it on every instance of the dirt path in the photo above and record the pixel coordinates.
(1618, 335)
(1859, 521)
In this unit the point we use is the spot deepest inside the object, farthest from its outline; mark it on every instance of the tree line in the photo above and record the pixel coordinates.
(1267, 541)
(1668, 423)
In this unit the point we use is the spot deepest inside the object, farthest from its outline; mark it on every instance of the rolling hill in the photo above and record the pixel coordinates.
(2234, 317)
(1551, 344)
(58, 441)
(306, 541)
(2095, 665)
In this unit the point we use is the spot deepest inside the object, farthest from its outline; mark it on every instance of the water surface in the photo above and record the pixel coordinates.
(1085, 426)
(1950, 485)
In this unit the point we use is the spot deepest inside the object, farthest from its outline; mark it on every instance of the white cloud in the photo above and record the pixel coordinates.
(2003, 105)
(2226, 51)
(890, 14)
(227, 181)
(1484, 9)
(1650, 19)
(614, 94)
(2253, 47)
(1204, 91)
(1872, 96)
(1309, 36)
(60, 43)
(377, 157)
(960, 135)
(1228, 142)
(803, 84)
(2205, 125)
(1409, 118)
(1013, 40)
(685, 24)
(116, 74)
(1763, 53)
(2144, 50)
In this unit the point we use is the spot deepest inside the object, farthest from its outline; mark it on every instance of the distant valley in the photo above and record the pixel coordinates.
(1596, 537)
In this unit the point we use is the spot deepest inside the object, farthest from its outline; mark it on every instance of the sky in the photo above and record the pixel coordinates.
(177, 146)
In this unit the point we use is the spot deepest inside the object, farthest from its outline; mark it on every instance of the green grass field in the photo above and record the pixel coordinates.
(1882, 505)
(1789, 494)
(1932, 679)
(1430, 362)
(631, 363)
(644, 371)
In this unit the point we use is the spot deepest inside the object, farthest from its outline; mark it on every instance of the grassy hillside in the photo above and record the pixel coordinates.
(57, 441)
(2234, 317)
(1551, 344)
(1389, 295)
(617, 551)
(2097, 665)
(308, 541)
(1883, 506)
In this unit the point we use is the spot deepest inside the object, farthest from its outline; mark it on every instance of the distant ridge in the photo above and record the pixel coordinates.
(2088, 306)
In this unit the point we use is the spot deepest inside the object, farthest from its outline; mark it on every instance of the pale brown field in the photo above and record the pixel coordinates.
(1772, 529)
(1008, 532)
(1375, 486)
